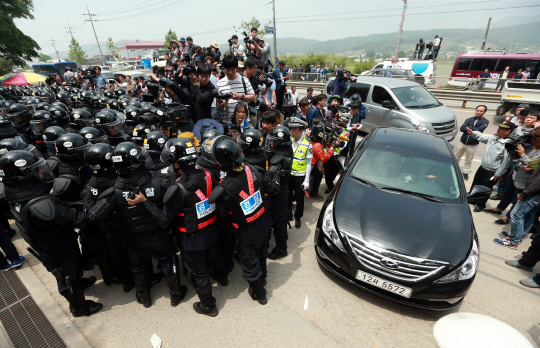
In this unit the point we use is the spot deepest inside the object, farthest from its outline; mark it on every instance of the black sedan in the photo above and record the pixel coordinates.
(398, 224)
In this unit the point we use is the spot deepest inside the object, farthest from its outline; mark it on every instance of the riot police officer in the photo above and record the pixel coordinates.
(40, 121)
(278, 147)
(139, 196)
(78, 119)
(19, 116)
(196, 222)
(94, 135)
(154, 143)
(241, 194)
(106, 236)
(111, 125)
(47, 225)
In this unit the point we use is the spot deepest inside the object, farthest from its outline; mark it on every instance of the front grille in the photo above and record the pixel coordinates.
(445, 127)
(404, 268)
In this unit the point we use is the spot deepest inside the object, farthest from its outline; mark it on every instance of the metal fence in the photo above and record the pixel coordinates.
(309, 77)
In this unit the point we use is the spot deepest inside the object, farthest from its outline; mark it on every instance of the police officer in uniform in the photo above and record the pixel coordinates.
(106, 235)
(47, 225)
(111, 125)
(50, 135)
(241, 194)
(279, 150)
(140, 199)
(301, 169)
(154, 143)
(186, 203)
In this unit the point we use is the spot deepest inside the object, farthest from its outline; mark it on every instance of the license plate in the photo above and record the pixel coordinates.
(384, 284)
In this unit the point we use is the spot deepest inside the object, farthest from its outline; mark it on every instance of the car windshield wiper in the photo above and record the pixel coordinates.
(429, 106)
(412, 193)
(369, 183)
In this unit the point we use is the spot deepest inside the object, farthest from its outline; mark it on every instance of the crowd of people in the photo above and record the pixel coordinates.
(203, 161)
(510, 161)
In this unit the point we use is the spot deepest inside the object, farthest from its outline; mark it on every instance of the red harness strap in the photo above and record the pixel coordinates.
(245, 196)
(250, 181)
(201, 225)
(202, 197)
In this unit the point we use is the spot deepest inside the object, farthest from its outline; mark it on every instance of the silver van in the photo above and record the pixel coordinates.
(401, 104)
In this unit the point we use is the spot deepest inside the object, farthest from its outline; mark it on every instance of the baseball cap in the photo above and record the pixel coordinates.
(198, 59)
(508, 125)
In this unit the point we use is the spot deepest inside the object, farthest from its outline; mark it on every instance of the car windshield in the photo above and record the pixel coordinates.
(408, 172)
(44, 69)
(415, 97)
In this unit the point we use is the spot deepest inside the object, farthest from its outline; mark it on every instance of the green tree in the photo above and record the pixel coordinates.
(402, 54)
(386, 55)
(76, 53)
(370, 53)
(171, 35)
(43, 57)
(253, 23)
(14, 45)
(6, 66)
(111, 47)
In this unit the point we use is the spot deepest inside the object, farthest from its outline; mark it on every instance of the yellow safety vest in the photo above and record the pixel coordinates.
(299, 163)
(337, 150)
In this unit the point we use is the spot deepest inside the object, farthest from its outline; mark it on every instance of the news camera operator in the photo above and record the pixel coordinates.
(234, 47)
(175, 92)
(202, 92)
(174, 51)
(339, 85)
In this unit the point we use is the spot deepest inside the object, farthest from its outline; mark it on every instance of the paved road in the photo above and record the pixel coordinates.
(339, 315)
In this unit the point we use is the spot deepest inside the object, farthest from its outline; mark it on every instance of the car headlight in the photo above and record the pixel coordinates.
(329, 228)
(419, 125)
(466, 271)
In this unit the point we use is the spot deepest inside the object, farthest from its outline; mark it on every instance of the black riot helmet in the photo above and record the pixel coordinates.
(113, 104)
(99, 158)
(109, 94)
(210, 134)
(179, 150)
(74, 97)
(318, 133)
(110, 124)
(40, 121)
(123, 101)
(6, 129)
(87, 95)
(139, 133)
(132, 115)
(103, 100)
(251, 139)
(127, 157)
(71, 147)
(279, 136)
(11, 144)
(43, 106)
(4, 106)
(18, 115)
(59, 115)
(17, 165)
(120, 92)
(50, 135)
(135, 102)
(31, 103)
(94, 135)
(81, 118)
(154, 142)
(223, 152)
(63, 97)
(60, 104)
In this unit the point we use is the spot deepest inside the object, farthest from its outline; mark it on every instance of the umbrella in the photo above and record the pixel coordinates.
(23, 78)
(205, 124)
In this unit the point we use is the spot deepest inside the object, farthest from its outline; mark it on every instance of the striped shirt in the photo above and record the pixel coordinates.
(227, 86)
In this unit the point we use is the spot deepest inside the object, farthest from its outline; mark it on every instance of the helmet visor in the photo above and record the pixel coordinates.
(46, 99)
(113, 129)
(271, 143)
(85, 122)
(34, 150)
(17, 119)
(38, 127)
(144, 157)
(41, 170)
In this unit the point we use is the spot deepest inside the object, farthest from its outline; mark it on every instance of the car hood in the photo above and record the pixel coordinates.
(404, 224)
(438, 114)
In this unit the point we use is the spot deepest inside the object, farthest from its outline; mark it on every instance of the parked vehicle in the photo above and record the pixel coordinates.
(401, 104)
(402, 74)
(54, 68)
(425, 68)
(515, 93)
(138, 67)
(472, 64)
(398, 224)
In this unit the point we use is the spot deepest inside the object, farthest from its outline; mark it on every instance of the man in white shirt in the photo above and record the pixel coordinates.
(301, 169)
(294, 101)
(236, 84)
(436, 46)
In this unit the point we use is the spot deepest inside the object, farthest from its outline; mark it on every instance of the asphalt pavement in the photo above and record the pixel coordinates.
(337, 314)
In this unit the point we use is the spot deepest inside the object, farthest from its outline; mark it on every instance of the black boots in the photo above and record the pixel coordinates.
(178, 295)
(78, 306)
(257, 291)
(277, 253)
(297, 223)
(205, 306)
(143, 297)
(85, 283)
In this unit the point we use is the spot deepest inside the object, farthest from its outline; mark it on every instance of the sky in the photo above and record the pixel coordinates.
(213, 20)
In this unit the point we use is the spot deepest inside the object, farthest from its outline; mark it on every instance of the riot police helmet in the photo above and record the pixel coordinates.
(279, 136)
(154, 142)
(110, 124)
(50, 135)
(94, 135)
(210, 134)
(18, 115)
(71, 147)
(99, 158)
(128, 157)
(223, 152)
(40, 121)
(18, 165)
(251, 139)
(81, 118)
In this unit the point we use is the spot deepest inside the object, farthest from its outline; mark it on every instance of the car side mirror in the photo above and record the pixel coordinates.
(477, 193)
(388, 104)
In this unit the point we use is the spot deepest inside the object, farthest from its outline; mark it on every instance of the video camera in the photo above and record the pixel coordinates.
(247, 40)
(333, 132)
(152, 91)
(170, 116)
(90, 72)
(342, 74)
(233, 128)
(221, 96)
(511, 146)
(267, 79)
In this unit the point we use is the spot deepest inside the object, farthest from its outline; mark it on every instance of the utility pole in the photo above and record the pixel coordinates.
(274, 19)
(69, 28)
(53, 45)
(485, 37)
(396, 52)
(92, 22)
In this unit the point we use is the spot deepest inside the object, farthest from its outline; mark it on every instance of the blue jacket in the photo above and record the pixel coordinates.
(339, 87)
(312, 114)
(481, 125)
(277, 77)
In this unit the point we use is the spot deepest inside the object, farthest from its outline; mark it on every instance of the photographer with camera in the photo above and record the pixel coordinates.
(202, 92)
(175, 92)
(234, 47)
(234, 85)
(120, 82)
(174, 51)
(339, 85)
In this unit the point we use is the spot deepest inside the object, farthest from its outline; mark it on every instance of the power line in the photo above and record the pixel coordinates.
(69, 28)
(91, 22)
(53, 45)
